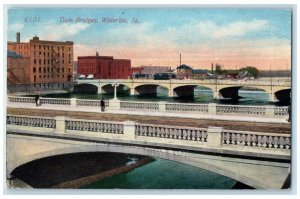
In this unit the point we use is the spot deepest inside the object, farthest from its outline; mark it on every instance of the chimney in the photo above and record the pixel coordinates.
(180, 60)
(97, 54)
(18, 37)
(212, 68)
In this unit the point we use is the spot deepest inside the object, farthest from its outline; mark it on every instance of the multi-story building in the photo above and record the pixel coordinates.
(104, 67)
(17, 69)
(50, 61)
(184, 72)
(150, 71)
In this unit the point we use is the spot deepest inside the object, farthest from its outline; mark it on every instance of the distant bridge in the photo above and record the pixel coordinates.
(260, 160)
(276, 89)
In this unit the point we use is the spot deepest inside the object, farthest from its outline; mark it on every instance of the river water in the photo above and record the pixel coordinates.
(164, 174)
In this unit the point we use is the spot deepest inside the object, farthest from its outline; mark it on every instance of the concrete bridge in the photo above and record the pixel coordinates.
(276, 89)
(260, 160)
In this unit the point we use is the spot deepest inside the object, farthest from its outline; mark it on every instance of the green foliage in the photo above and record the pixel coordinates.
(252, 70)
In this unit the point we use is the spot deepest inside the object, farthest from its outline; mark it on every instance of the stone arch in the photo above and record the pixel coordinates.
(85, 88)
(184, 90)
(148, 89)
(241, 170)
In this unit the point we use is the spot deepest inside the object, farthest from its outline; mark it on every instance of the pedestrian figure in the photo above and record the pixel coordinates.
(290, 113)
(102, 104)
(36, 99)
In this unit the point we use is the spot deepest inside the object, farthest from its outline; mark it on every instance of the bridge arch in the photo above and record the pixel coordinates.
(109, 88)
(147, 89)
(239, 170)
(127, 150)
(85, 88)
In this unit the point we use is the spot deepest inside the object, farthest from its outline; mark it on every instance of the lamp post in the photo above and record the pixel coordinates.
(115, 84)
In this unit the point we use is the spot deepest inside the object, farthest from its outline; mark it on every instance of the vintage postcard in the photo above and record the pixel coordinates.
(148, 97)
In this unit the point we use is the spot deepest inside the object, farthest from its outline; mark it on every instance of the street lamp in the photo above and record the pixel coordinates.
(115, 84)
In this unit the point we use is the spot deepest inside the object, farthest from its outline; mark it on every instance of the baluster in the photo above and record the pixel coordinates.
(287, 143)
(178, 133)
(254, 140)
(158, 132)
(228, 135)
(194, 135)
(184, 134)
(259, 140)
(150, 130)
(162, 132)
(233, 138)
(167, 132)
(172, 133)
(281, 142)
(146, 130)
(275, 142)
(137, 130)
(248, 140)
(264, 141)
(269, 141)
(243, 139)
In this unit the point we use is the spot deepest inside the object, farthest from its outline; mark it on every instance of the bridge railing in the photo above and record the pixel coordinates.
(133, 105)
(165, 135)
(55, 101)
(211, 108)
(171, 132)
(17, 99)
(90, 103)
(264, 82)
(255, 139)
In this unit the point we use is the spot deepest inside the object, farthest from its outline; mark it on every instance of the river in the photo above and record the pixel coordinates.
(164, 174)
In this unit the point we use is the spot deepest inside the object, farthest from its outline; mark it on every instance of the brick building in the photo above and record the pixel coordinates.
(17, 69)
(150, 71)
(184, 72)
(104, 67)
(50, 61)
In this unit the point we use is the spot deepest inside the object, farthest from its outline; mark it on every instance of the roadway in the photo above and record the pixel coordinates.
(245, 123)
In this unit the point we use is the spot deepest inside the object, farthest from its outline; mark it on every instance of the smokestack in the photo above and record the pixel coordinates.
(18, 37)
(97, 54)
(180, 60)
(212, 67)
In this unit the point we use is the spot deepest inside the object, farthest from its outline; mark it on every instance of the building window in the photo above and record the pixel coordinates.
(69, 48)
(34, 61)
(40, 61)
(33, 46)
(44, 70)
(69, 70)
(62, 48)
(48, 61)
(44, 47)
(44, 54)
(63, 54)
(44, 61)
(34, 69)
(63, 70)
(58, 48)
(40, 53)
(34, 54)
(48, 70)
(48, 48)
(39, 46)
(40, 69)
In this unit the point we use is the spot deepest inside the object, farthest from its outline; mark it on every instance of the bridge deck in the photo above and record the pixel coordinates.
(227, 122)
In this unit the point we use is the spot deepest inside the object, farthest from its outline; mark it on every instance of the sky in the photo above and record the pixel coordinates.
(234, 38)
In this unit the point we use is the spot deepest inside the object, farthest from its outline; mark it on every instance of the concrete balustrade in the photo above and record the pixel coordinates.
(115, 104)
(212, 137)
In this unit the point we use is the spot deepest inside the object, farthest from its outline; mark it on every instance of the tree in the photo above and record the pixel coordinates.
(218, 69)
(252, 70)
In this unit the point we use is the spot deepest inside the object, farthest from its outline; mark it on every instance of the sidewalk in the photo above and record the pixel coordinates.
(152, 113)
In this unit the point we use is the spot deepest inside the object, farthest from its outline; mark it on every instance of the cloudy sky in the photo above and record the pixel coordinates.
(231, 37)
